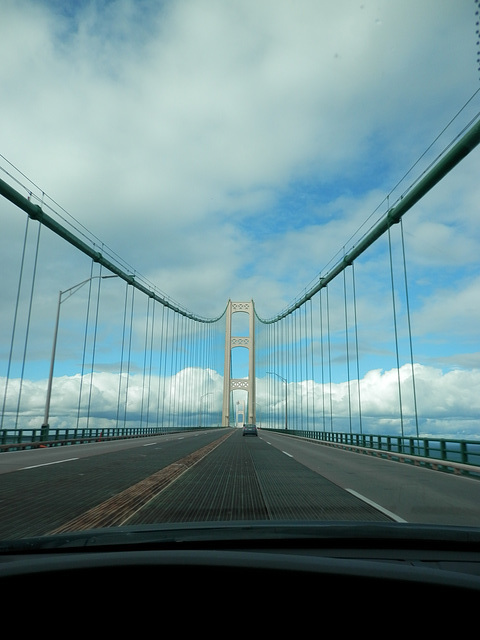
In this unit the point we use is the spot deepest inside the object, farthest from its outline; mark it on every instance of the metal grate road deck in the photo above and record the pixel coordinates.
(247, 479)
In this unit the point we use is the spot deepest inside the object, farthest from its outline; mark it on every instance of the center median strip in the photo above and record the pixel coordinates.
(117, 509)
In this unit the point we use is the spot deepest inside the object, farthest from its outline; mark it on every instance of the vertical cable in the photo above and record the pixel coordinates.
(306, 369)
(166, 346)
(322, 359)
(122, 353)
(129, 361)
(183, 365)
(356, 345)
(173, 369)
(160, 359)
(152, 333)
(190, 371)
(178, 372)
(178, 365)
(27, 331)
(329, 359)
(409, 327)
(145, 352)
(312, 348)
(293, 362)
(297, 360)
(87, 316)
(271, 363)
(94, 347)
(15, 316)
(346, 345)
(396, 330)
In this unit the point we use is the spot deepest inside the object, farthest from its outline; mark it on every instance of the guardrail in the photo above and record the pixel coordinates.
(454, 456)
(17, 439)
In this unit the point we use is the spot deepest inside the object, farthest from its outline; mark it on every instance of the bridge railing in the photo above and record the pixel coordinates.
(12, 439)
(456, 456)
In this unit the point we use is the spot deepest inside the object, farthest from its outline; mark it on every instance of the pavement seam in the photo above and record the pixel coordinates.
(119, 508)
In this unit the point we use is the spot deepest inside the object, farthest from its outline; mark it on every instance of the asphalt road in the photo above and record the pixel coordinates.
(219, 475)
(412, 494)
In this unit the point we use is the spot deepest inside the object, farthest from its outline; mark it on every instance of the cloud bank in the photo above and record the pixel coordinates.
(446, 404)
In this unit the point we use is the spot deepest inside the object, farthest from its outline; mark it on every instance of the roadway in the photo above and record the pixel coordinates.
(408, 493)
(218, 475)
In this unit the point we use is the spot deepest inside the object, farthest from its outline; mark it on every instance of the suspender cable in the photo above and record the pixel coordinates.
(183, 368)
(322, 359)
(396, 332)
(312, 360)
(122, 353)
(165, 347)
(145, 352)
(85, 335)
(409, 329)
(329, 361)
(29, 315)
(94, 346)
(161, 349)
(347, 349)
(356, 347)
(15, 316)
(150, 366)
(307, 346)
(129, 361)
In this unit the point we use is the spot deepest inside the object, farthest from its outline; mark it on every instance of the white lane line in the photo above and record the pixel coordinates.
(149, 444)
(377, 506)
(46, 464)
(287, 454)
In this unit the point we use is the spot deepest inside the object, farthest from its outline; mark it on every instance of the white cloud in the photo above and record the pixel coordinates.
(152, 132)
(448, 400)
(452, 311)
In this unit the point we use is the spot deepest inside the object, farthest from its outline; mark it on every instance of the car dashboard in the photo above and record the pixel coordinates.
(300, 570)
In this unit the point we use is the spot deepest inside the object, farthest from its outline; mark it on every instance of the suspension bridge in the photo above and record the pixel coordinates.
(126, 361)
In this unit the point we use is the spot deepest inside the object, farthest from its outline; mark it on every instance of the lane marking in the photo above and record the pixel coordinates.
(150, 444)
(287, 454)
(376, 506)
(47, 464)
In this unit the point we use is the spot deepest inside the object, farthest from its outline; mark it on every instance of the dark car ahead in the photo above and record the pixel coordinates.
(250, 430)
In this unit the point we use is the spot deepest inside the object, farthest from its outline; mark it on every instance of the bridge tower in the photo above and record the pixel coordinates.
(229, 383)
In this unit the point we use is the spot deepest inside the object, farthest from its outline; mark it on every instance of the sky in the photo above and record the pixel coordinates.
(234, 149)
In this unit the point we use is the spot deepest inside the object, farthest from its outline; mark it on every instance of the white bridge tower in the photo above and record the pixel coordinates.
(231, 384)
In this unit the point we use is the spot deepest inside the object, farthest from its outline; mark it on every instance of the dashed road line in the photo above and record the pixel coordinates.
(46, 464)
(388, 513)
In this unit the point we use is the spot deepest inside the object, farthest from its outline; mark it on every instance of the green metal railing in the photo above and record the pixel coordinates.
(11, 439)
(458, 456)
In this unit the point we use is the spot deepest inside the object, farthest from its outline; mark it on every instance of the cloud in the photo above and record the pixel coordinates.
(151, 126)
(448, 400)
(455, 320)
(115, 399)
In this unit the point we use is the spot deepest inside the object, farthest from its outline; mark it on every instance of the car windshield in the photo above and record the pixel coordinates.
(257, 217)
